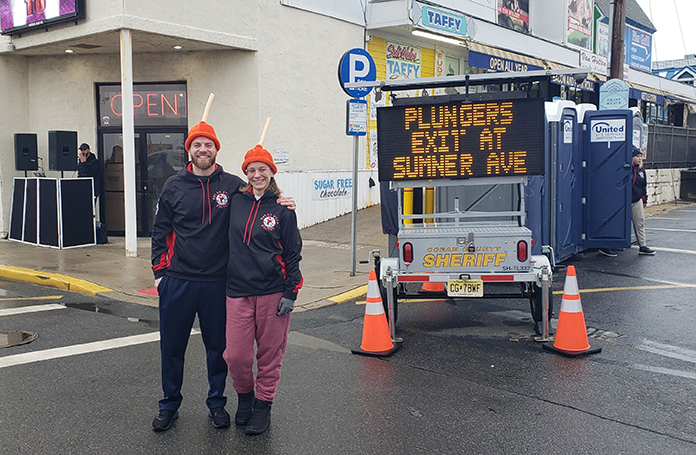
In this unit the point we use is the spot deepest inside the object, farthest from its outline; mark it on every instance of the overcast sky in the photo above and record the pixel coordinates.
(667, 41)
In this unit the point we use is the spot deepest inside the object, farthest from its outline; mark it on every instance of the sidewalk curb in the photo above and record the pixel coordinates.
(55, 280)
(68, 283)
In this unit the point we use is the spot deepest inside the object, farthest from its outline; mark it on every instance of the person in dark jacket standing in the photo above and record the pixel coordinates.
(263, 279)
(88, 166)
(639, 200)
(189, 258)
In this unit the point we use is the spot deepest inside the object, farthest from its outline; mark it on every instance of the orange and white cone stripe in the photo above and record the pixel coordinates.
(376, 336)
(571, 333)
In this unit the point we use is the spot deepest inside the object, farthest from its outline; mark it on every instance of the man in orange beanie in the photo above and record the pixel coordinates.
(189, 260)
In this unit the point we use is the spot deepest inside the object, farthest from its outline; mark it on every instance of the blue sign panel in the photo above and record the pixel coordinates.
(569, 81)
(491, 62)
(442, 20)
(356, 65)
(638, 49)
(647, 96)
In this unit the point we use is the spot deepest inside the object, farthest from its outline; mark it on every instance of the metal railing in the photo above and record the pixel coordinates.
(670, 147)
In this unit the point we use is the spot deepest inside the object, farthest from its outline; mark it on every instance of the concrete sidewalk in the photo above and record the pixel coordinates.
(105, 270)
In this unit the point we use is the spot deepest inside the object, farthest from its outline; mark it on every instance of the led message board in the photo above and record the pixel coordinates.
(20, 15)
(461, 140)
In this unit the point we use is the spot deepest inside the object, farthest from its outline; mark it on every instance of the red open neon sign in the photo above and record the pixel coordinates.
(153, 105)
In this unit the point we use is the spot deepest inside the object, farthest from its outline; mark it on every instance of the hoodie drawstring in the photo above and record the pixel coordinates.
(206, 195)
(252, 218)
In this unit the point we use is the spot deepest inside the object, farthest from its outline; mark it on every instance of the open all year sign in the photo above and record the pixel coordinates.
(461, 140)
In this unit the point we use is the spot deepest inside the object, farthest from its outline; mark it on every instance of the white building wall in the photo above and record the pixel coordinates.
(299, 90)
(289, 74)
(14, 118)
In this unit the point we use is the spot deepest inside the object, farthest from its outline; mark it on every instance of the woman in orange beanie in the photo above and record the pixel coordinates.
(263, 279)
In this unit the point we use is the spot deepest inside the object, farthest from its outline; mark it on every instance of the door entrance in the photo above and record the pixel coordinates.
(158, 156)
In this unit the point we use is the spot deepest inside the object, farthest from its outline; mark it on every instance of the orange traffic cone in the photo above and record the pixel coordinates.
(376, 340)
(571, 333)
(433, 286)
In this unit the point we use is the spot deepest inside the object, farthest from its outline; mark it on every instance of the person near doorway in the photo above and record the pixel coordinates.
(189, 260)
(263, 279)
(89, 166)
(639, 200)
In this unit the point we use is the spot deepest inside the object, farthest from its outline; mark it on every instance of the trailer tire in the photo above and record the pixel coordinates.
(536, 305)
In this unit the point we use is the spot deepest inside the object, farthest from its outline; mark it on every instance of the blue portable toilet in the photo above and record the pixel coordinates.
(607, 181)
(582, 200)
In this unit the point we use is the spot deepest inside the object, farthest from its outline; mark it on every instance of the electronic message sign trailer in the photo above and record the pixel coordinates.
(522, 184)
(478, 156)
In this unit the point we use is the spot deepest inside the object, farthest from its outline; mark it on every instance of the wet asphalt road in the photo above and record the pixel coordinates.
(469, 379)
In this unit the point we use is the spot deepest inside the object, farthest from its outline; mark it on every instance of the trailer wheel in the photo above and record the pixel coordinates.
(536, 304)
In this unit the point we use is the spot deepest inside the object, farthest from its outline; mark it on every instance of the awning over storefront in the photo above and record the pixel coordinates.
(495, 59)
(643, 93)
(586, 85)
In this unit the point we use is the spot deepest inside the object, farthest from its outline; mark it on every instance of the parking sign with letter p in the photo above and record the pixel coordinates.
(356, 65)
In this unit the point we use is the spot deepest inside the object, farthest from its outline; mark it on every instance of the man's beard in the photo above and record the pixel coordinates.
(201, 163)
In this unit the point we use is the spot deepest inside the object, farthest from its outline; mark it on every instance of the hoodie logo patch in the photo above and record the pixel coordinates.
(269, 221)
(222, 199)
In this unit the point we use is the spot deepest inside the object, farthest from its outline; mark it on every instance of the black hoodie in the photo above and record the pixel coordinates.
(265, 248)
(189, 236)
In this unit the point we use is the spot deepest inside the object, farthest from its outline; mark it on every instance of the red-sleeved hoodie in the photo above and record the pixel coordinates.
(265, 248)
(189, 236)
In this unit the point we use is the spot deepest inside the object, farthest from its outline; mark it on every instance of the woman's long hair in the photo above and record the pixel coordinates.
(273, 186)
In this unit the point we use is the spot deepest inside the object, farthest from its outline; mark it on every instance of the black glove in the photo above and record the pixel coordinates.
(285, 306)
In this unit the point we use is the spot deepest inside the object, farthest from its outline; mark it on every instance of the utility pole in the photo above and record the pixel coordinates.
(617, 39)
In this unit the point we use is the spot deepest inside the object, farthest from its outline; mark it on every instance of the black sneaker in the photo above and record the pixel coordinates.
(260, 417)
(245, 405)
(608, 252)
(646, 251)
(164, 420)
(220, 417)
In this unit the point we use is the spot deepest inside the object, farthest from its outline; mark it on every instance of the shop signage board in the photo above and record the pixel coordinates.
(613, 94)
(638, 47)
(153, 105)
(569, 81)
(356, 65)
(494, 63)
(461, 140)
(328, 187)
(441, 20)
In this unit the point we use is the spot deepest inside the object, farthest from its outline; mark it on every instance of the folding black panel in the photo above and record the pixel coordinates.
(62, 150)
(30, 233)
(17, 216)
(26, 152)
(77, 206)
(48, 212)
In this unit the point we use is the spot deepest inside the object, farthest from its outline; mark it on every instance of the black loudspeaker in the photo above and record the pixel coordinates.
(26, 152)
(62, 150)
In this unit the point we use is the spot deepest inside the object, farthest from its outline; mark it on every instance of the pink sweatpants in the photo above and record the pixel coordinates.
(249, 319)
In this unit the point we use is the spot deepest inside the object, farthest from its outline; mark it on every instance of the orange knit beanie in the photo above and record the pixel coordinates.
(260, 154)
(201, 129)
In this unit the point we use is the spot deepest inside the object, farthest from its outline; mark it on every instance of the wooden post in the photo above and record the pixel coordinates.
(617, 39)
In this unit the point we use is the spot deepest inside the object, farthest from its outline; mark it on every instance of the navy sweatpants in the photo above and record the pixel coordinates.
(179, 302)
